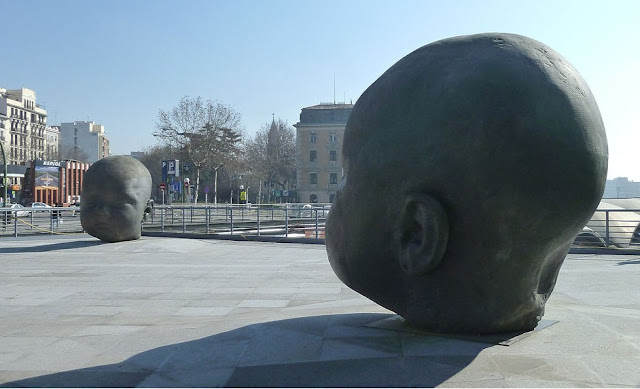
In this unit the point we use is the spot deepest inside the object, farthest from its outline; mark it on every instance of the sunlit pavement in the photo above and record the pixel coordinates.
(180, 312)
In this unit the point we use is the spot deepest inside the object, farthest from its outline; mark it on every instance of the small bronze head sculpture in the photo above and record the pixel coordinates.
(470, 167)
(115, 197)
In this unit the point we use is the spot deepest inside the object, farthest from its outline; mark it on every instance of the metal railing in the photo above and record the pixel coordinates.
(280, 220)
(29, 221)
(608, 228)
(286, 220)
(618, 228)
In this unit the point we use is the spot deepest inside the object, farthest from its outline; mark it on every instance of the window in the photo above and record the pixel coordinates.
(333, 156)
(313, 156)
(313, 178)
(333, 138)
(312, 137)
(333, 178)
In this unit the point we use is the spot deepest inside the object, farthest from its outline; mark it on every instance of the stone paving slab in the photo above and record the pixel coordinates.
(159, 312)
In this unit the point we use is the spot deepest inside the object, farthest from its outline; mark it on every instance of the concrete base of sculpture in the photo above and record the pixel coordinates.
(398, 323)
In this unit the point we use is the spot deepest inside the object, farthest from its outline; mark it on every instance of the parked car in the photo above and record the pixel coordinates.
(38, 204)
(13, 210)
(19, 210)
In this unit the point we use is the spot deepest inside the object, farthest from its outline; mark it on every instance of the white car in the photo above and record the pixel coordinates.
(19, 210)
(40, 205)
(14, 210)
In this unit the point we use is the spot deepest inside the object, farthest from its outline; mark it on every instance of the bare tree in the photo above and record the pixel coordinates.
(72, 152)
(152, 160)
(270, 155)
(209, 132)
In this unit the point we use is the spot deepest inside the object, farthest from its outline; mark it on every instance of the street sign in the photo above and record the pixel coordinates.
(206, 189)
(163, 186)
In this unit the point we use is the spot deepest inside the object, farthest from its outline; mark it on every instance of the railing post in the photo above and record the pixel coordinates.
(606, 239)
(207, 217)
(286, 221)
(184, 222)
(258, 219)
(162, 220)
(15, 226)
(316, 224)
(191, 214)
(231, 218)
(51, 221)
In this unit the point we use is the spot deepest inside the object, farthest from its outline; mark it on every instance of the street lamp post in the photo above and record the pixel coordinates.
(215, 184)
(4, 181)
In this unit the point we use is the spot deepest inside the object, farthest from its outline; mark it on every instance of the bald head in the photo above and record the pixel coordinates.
(115, 194)
(484, 155)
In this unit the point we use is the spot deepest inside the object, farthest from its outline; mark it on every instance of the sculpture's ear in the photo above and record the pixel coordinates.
(424, 232)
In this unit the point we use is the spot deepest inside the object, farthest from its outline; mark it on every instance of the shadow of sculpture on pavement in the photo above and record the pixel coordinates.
(116, 195)
(30, 248)
(319, 351)
(470, 167)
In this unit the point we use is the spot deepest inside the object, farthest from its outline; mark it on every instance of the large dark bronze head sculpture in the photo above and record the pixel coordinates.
(115, 197)
(470, 167)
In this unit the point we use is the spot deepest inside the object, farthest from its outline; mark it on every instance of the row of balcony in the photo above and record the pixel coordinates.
(329, 186)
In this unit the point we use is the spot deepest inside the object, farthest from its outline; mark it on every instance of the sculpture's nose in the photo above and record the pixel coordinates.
(101, 209)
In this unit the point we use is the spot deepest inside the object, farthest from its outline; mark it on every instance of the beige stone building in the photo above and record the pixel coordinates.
(319, 136)
(52, 143)
(23, 125)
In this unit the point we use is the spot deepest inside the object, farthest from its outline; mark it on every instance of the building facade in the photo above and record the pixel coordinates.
(83, 140)
(319, 136)
(22, 126)
(621, 188)
(52, 143)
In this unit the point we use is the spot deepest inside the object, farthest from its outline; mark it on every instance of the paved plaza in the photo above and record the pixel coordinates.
(193, 312)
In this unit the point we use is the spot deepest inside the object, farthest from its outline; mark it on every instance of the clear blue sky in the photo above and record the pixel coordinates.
(118, 62)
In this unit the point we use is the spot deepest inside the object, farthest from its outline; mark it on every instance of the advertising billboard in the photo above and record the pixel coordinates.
(47, 177)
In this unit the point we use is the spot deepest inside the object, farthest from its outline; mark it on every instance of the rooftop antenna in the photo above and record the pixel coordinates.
(334, 88)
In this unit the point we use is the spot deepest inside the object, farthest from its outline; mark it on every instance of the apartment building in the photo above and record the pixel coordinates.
(319, 136)
(52, 143)
(23, 125)
(84, 141)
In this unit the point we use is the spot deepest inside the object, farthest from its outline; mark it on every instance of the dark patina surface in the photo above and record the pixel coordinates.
(115, 196)
(470, 166)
